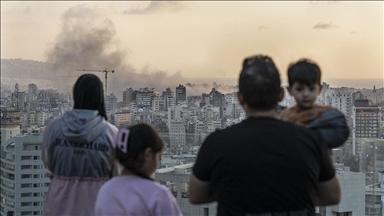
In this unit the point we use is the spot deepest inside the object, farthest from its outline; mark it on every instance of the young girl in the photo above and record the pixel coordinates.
(138, 149)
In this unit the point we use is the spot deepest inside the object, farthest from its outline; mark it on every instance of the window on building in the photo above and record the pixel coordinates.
(24, 176)
(26, 185)
(26, 167)
(26, 194)
(26, 204)
(26, 157)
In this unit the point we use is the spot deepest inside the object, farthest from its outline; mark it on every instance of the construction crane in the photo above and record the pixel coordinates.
(102, 71)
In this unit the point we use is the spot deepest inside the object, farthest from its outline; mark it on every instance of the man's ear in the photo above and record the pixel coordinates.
(240, 98)
(281, 95)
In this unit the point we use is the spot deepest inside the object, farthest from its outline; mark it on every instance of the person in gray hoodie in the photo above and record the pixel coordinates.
(77, 151)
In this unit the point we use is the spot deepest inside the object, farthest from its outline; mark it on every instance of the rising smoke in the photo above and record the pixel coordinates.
(86, 41)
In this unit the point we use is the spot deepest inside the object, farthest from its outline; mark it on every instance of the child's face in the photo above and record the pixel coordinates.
(305, 95)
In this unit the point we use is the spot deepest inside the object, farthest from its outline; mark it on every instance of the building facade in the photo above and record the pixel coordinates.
(24, 180)
(181, 94)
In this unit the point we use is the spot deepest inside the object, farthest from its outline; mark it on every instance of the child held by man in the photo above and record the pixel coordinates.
(138, 149)
(328, 122)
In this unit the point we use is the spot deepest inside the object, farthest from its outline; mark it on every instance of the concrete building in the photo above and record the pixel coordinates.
(156, 101)
(170, 102)
(216, 99)
(24, 182)
(352, 193)
(343, 101)
(110, 102)
(144, 97)
(128, 96)
(181, 94)
(177, 133)
(123, 118)
(374, 197)
(10, 123)
(33, 119)
(366, 122)
(177, 180)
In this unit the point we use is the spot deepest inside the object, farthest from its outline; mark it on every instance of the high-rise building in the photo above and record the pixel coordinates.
(170, 102)
(111, 102)
(144, 97)
(128, 96)
(167, 92)
(216, 99)
(177, 133)
(24, 180)
(366, 121)
(181, 94)
(343, 101)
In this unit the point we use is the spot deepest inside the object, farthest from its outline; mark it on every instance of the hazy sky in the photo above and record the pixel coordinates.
(199, 39)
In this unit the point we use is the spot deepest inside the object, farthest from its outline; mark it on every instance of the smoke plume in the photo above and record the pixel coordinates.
(86, 41)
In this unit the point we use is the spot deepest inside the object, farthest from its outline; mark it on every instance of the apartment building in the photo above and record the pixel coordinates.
(24, 182)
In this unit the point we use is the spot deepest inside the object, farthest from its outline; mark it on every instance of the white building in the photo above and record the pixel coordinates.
(343, 101)
(352, 196)
(24, 182)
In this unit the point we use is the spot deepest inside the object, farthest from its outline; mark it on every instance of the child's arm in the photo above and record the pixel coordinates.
(331, 128)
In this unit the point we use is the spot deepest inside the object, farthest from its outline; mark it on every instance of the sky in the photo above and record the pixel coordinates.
(198, 39)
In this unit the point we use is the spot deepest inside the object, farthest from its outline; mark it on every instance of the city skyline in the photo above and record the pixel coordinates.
(189, 40)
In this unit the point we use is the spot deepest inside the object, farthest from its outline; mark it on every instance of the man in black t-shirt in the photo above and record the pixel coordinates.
(263, 165)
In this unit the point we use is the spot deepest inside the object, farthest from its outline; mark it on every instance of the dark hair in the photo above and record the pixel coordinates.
(259, 83)
(305, 72)
(88, 94)
(141, 137)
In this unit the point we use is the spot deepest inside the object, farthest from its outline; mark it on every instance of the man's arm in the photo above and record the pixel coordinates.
(328, 192)
(199, 191)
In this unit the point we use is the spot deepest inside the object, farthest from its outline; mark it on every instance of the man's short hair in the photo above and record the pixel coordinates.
(304, 72)
(259, 83)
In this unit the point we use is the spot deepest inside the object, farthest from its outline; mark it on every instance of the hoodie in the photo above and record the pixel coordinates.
(77, 151)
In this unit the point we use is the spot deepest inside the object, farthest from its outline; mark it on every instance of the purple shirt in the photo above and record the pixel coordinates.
(133, 195)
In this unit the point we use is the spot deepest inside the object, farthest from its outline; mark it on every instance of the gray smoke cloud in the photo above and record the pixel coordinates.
(88, 42)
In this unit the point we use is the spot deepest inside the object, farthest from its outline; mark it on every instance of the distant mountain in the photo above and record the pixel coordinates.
(43, 74)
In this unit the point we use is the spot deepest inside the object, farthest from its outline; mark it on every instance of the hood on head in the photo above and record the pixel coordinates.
(80, 125)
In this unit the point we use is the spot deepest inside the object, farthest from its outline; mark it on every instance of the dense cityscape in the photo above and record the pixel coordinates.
(184, 121)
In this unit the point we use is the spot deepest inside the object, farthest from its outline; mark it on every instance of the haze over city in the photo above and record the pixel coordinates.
(176, 66)
(163, 43)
